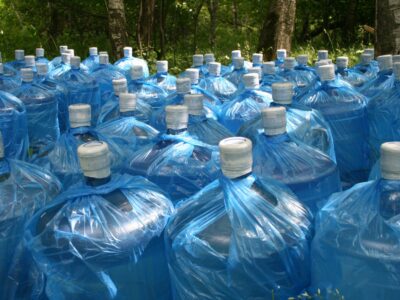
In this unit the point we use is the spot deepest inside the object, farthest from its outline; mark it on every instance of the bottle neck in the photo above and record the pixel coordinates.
(131, 113)
(80, 130)
(389, 202)
(90, 181)
(176, 131)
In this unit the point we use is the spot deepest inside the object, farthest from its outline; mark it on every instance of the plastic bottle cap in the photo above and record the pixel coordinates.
(326, 72)
(75, 62)
(137, 72)
(366, 58)
(183, 85)
(93, 51)
(385, 62)
(290, 63)
(176, 116)
(269, 68)
(63, 49)
(127, 51)
(42, 68)
(198, 60)
(1, 146)
(370, 51)
(238, 63)
(103, 52)
(120, 85)
(342, 62)
(251, 81)
(257, 58)
(396, 70)
(323, 54)
(79, 115)
(27, 74)
(209, 57)
(274, 120)
(282, 92)
(256, 70)
(162, 66)
(235, 54)
(194, 102)
(1, 68)
(390, 160)
(127, 102)
(236, 156)
(29, 60)
(66, 58)
(214, 68)
(39, 52)
(94, 158)
(19, 54)
(395, 58)
(302, 59)
(281, 53)
(71, 52)
(103, 59)
(193, 74)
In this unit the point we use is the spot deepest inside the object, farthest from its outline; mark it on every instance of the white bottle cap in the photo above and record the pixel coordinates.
(282, 92)
(342, 62)
(176, 116)
(63, 49)
(1, 146)
(251, 81)
(93, 51)
(274, 120)
(39, 52)
(162, 66)
(137, 72)
(326, 72)
(29, 61)
(198, 60)
(103, 52)
(79, 115)
(370, 51)
(19, 54)
(27, 74)
(395, 58)
(323, 54)
(257, 58)
(103, 59)
(396, 70)
(127, 51)
(214, 68)
(290, 63)
(238, 63)
(235, 54)
(193, 74)
(302, 59)
(94, 158)
(385, 62)
(209, 57)
(390, 160)
(366, 58)
(183, 85)
(120, 86)
(236, 156)
(256, 70)
(1, 68)
(194, 102)
(42, 68)
(281, 53)
(66, 58)
(269, 68)
(71, 52)
(127, 102)
(75, 62)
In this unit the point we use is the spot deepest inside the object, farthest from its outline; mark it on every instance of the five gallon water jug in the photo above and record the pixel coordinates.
(239, 70)
(345, 111)
(93, 60)
(366, 67)
(40, 58)
(7, 83)
(269, 76)
(356, 247)
(57, 71)
(240, 237)
(177, 162)
(162, 78)
(41, 112)
(13, 67)
(24, 189)
(126, 63)
(354, 78)
(102, 239)
(246, 106)
(58, 59)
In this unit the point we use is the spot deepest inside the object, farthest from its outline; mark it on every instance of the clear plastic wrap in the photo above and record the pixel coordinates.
(207, 130)
(302, 79)
(103, 241)
(148, 93)
(164, 80)
(220, 87)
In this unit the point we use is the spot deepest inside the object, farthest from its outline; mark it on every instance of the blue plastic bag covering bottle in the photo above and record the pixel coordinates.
(366, 67)
(269, 76)
(82, 88)
(102, 239)
(58, 59)
(57, 71)
(356, 246)
(246, 106)
(241, 237)
(126, 63)
(239, 70)
(356, 79)
(162, 78)
(13, 67)
(93, 60)
(280, 58)
(13, 126)
(24, 189)
(7, 83)
(217, 85)
(40, 58)
(177, 162)
(345, 111)
(41, 113)
(310, 173)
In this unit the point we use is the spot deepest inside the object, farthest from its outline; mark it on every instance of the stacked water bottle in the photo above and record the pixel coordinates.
(254, 180)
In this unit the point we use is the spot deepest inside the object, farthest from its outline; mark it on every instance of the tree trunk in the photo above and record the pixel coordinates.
(387, 27)
(235, 14)
(117, 26)
(278, 27)
(145, 24)
(350, 22)
(195, 22)
(212, 6)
